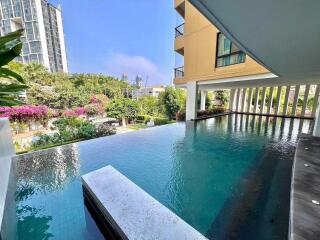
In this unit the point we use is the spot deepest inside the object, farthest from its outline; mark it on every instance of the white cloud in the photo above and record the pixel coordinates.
(118, 63)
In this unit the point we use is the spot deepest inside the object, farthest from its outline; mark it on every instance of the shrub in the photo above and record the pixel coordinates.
(161, 121)
(143, 118)
(105, 130)
(87, 131)
(94, 109)
(211, 111)
(181, 116)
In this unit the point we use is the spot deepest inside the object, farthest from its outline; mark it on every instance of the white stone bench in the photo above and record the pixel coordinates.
(132, 212)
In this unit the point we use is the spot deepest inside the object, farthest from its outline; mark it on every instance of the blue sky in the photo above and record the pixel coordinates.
(116, 36)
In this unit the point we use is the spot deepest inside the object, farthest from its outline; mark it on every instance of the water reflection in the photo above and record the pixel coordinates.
(222, 181)
(46, 171)
(41, 172)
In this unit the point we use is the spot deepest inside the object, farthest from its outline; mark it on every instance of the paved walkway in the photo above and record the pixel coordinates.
(305, 190)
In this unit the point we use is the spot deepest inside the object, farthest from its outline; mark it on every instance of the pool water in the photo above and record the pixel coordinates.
(228, 177)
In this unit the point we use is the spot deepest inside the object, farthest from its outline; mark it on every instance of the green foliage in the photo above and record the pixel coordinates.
(61, 91)
(212, 111)
(87, 131)
(11, 83)
(150, 105)
(71, 129)
(122, 108)
(161, 121)
(173, 100)
(209, 98)
(105, 130)
(143, 118)
(222, 96)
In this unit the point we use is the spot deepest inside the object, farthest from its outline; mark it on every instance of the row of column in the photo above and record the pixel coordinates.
(241, 100)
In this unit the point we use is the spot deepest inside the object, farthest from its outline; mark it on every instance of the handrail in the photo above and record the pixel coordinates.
(179, 30)
(179, 72)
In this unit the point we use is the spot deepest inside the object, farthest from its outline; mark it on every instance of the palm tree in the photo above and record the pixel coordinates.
(11, 83)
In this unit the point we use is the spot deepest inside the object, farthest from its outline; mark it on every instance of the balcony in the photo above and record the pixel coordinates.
(179, 31)
(179, 72)
(179, 5)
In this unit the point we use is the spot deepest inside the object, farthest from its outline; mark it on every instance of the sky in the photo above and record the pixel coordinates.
(120, 36)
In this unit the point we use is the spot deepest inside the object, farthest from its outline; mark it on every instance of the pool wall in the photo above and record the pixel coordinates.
(6, 153)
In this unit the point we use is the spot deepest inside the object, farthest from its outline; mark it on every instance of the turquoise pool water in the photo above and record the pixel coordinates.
(229, 177)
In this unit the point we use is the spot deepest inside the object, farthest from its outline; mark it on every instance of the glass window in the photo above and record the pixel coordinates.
(35, 47)
(227, 52)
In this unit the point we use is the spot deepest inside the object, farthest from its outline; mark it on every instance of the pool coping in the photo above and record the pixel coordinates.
(305, 188)
(130, 211)
(212, 116)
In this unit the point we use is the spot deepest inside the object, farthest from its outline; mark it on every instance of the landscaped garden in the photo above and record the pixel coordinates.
(50, 109)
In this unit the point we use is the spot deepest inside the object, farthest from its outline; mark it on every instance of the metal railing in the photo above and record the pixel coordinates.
(179, 31)
(179, 72)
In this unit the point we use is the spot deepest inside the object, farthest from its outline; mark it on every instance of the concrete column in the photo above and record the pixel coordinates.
(203, 100)
(256, 101)
(295, 100)
(315, 103)
(263, 102)
(316, 130)
(286, 101)
(249, 100)
(192, 92)
(276, 111)
(305, 100)
(270, 100)
(243, 104)
(238, 99)
(231, 103)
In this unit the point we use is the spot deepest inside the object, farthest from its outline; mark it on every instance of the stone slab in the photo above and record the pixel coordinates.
(133, 212)
(305, 188)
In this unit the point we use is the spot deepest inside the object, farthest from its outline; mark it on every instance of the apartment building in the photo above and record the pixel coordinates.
(154, 91)
(43, 39)
(212, 61)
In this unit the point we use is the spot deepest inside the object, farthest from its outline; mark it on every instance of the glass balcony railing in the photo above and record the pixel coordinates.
(179, 31)
(179, 72)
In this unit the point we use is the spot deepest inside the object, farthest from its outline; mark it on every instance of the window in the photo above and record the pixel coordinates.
(227, 52)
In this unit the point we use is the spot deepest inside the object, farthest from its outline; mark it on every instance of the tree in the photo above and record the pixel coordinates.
(149, 105)
(122, 109)
(221, 95)
(11, 83)
(173, 101)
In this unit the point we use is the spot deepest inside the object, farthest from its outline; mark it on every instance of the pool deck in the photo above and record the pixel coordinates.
(305, 190)
(128, 212)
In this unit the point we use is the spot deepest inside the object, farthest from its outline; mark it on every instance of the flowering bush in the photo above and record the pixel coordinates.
(80, 111)
(99, 99)
(25, 113)
(94, 100)
(94, 109)
(74, 112)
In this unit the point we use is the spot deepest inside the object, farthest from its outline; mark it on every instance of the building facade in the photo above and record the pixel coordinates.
(43, 39)
(148, 91)
(212, 62)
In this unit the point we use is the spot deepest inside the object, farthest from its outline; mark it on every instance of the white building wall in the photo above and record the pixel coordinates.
(42, 34)
(62, 42)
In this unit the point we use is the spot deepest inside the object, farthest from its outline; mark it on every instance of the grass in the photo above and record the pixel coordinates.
(137, 126)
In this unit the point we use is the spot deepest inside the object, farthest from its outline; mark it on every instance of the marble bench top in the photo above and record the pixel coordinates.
(134, 213)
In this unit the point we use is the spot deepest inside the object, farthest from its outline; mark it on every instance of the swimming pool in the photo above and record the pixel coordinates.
(229, 177)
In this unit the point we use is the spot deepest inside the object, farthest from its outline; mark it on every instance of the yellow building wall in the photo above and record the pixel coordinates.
(199, 41)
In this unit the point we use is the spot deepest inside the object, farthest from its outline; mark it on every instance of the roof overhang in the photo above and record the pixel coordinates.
(283, 36)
